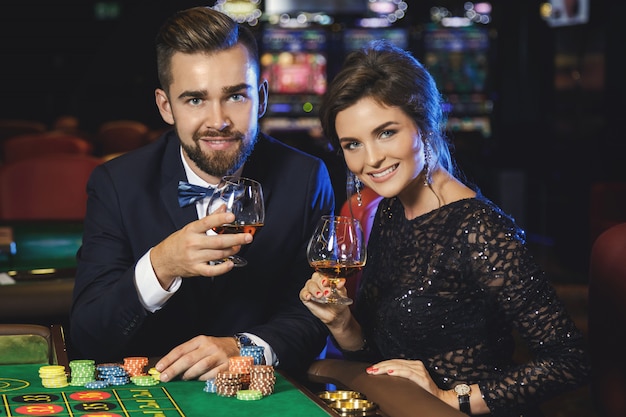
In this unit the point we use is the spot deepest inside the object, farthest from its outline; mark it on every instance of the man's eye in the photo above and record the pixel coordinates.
(237, 97)
(195, 101)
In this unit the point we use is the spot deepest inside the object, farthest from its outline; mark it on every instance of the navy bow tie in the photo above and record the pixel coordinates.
(189, 193)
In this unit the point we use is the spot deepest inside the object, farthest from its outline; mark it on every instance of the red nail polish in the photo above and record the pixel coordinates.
(318, 293)
(326, 292)
(390, 371)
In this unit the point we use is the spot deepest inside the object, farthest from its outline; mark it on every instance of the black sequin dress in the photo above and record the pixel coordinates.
(449, 287)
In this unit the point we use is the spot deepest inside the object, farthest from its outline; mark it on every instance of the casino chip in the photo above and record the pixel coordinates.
(263, 379)
(135, 365)
(144, 380)
(227, 384)
(210, 386)
(256, 352)
(113, 374)
(53, 376)
(249, 395)
(241, 365)
(82, 372)
(155, 374)
(96, 385)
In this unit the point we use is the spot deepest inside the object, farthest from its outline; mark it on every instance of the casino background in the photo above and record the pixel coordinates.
(531, 97)
(535, 131)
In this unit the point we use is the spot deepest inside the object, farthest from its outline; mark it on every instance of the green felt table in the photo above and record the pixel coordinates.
(22, 394)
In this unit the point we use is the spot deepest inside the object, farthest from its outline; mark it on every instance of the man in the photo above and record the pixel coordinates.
(145, 283)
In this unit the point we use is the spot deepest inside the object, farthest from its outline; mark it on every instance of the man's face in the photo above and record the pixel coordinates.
(214, 102)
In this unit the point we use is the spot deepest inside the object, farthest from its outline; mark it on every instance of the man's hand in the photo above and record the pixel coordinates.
(188, 251)
(200, 358)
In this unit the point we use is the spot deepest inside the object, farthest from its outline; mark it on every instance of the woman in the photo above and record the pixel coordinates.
(448, 276)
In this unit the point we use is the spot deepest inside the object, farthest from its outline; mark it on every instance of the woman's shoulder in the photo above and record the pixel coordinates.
(483, 215)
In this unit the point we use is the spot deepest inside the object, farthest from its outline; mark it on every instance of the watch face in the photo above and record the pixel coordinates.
(244, 340)
(462, 389)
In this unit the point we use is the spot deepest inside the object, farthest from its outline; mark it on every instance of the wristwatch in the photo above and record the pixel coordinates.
(463, 394)
(243, 340)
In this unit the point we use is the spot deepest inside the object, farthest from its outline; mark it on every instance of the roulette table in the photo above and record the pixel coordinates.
(23, 394)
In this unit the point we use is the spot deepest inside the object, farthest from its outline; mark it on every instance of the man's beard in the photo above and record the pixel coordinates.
(221, 163)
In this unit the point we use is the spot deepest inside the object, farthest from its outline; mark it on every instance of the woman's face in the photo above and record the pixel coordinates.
(382, 146)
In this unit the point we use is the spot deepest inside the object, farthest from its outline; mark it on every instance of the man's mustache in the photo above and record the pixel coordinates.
(223, 134)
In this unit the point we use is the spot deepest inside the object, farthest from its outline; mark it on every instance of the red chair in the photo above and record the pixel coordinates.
(49, 187)
(117, 136)
(607, 206)
(14, 127)
(365, 214)
(37, 144)
(607, 321)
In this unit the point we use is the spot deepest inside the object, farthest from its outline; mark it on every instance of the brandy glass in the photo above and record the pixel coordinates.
(337, 250)
(244, 198)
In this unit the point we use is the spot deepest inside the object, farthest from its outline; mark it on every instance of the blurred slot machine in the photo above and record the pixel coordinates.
(294, 62)
(357, 38)
(459, 60)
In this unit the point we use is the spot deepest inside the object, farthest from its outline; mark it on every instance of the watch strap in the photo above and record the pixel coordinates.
(464, 404)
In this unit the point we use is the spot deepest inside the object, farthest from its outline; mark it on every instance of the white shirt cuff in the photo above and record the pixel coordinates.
(151, 294)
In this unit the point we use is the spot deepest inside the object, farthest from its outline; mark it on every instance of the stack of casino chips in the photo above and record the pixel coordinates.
(249, 395)
(227, 383)
(210, 386)
(82, 372)
(262, 379)
(241, 365)
(135, 365)
(113, 374)
(144, 380)
(256, 352)
(155, 374)
(53, 376)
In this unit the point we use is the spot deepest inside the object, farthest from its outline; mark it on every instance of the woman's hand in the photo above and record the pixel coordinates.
(412, 370)
(416, 371)
(318, 286)
(338, 318)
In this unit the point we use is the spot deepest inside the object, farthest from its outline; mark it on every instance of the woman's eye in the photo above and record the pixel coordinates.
(387, 133)
(351, 145)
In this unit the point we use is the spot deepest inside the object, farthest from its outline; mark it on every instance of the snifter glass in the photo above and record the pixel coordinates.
(337, 250)
(244, 198)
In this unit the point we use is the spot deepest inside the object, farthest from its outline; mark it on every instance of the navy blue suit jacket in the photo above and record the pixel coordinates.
(132, 206)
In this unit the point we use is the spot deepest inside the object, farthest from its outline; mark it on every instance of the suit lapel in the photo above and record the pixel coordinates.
(258, 165)
(172, 172)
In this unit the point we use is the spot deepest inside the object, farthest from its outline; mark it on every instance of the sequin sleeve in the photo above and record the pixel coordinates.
(524, 296)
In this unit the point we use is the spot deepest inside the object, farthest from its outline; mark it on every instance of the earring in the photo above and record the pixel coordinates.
(358, 185)
(428, 175)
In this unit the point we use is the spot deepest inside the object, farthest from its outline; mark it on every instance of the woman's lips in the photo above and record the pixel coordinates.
(380, 174)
